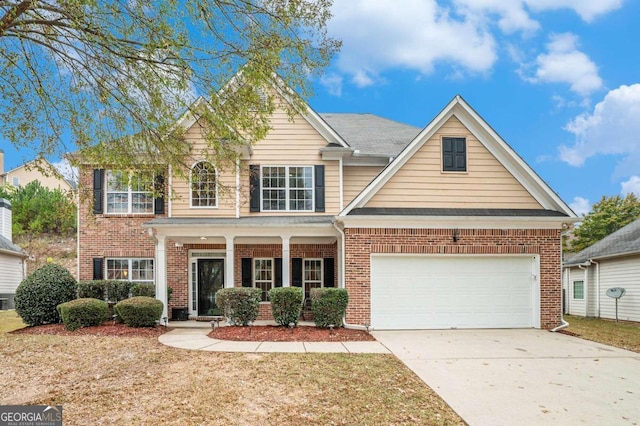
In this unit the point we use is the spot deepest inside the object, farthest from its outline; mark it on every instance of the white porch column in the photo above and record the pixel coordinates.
(161, 274)
(286, 282)
(229, 262)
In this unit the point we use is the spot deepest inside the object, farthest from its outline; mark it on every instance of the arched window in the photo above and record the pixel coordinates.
(204, 185)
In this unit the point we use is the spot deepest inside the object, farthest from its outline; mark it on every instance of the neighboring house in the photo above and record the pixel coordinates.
(13, 266)
(613, 261)
(27, 173)
(440, 227)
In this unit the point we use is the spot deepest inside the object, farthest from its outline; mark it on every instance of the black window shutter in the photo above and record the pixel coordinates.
(319, 189)
(296, 272)
(329, 272)
(454, 154)
(98, 270)
(254, 187)
(98, 190)
(277, 271)
(246, 272)
(158, 202)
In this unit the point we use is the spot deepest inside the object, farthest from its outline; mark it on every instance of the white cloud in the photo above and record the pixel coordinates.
(512, 16)
(587, 9)
(612, 128)
(379, 35)
(564, 63)
(333, 83)
(631, 185)
(581, 206)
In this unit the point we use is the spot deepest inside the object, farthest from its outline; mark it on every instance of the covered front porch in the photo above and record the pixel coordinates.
(195, 257)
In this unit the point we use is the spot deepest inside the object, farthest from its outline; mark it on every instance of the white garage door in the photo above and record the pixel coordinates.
(436, 292)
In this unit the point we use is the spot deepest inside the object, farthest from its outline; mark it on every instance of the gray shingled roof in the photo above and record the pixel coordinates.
(371, 134)
(625, 240)
(6, 245)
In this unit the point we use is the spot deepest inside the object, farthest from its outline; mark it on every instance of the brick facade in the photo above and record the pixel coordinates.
(109, 235)
(362, 242)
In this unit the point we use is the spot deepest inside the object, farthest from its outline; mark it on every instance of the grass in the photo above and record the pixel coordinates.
(111, 380)
(621, 335)
(10, 321)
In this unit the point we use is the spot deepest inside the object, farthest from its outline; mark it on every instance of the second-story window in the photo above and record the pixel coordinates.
(129, 192)
(204, 185)
(287, 188)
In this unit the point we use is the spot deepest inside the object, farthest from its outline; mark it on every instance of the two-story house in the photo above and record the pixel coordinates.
(439, 227)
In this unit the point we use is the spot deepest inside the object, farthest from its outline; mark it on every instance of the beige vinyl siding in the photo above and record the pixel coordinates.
(181, 203)
(625, 273)
(12, 273)
(485, 184)
(292, 143)
(355, 178)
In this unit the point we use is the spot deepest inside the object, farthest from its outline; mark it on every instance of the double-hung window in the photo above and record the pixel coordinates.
(135, 270)
(578, 290)
(129, 192)
(287, 188)
(311, 275)
(263, 276)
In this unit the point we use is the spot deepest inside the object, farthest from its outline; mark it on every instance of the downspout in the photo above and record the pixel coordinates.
(597, 286)
(585, 267)
(341, 270)
(563, 323)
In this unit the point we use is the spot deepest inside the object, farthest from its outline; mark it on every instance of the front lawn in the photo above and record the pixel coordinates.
(621, 335)
(136, 380)
(10, 321)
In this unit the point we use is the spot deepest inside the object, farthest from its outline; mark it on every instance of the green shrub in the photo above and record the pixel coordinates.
(139, 311)
(41, 292)
(239, 304)
(328, 306)
(91, 289)
(117, 290)
(286, 304)
(140, 289)
(84, 312)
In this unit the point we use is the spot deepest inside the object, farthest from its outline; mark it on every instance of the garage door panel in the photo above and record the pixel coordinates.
(413, 292)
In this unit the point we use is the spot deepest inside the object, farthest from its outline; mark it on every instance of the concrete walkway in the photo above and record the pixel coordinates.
(192, 335)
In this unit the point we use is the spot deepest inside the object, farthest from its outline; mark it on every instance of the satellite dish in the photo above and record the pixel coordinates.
(616, 292)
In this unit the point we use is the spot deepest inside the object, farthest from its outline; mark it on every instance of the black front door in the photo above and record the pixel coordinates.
(210, 280)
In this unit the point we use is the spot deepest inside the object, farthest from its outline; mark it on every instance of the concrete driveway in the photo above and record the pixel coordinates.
(524, 377)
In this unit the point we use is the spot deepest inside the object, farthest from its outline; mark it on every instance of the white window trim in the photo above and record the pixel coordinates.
(129, 192)
(304, 260)
(129, 276)
(191, 183)
(253, 273)
(573, 289)
(287, 188)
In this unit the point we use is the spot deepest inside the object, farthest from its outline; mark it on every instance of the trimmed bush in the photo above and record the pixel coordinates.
(139, 311)
(41, 292)
(91, 289)
(286, 304)
(239, 304)
(328, 306)
(84, 312)
(117, 290)
(140, 289)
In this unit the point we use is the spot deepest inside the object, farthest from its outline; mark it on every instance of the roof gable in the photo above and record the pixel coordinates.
(488, 138)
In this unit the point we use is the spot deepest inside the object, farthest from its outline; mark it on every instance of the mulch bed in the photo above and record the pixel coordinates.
(106, 329)
(270, 333)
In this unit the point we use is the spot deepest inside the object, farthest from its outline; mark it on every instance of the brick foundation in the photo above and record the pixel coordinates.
(362, 242)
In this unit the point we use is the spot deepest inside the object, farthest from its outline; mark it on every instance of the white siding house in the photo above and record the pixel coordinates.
(12, 259)
(613, 261)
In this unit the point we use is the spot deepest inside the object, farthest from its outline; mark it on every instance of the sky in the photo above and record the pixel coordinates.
(559, 80)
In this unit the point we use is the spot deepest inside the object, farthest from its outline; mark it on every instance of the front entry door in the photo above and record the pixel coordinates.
(210, 280)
